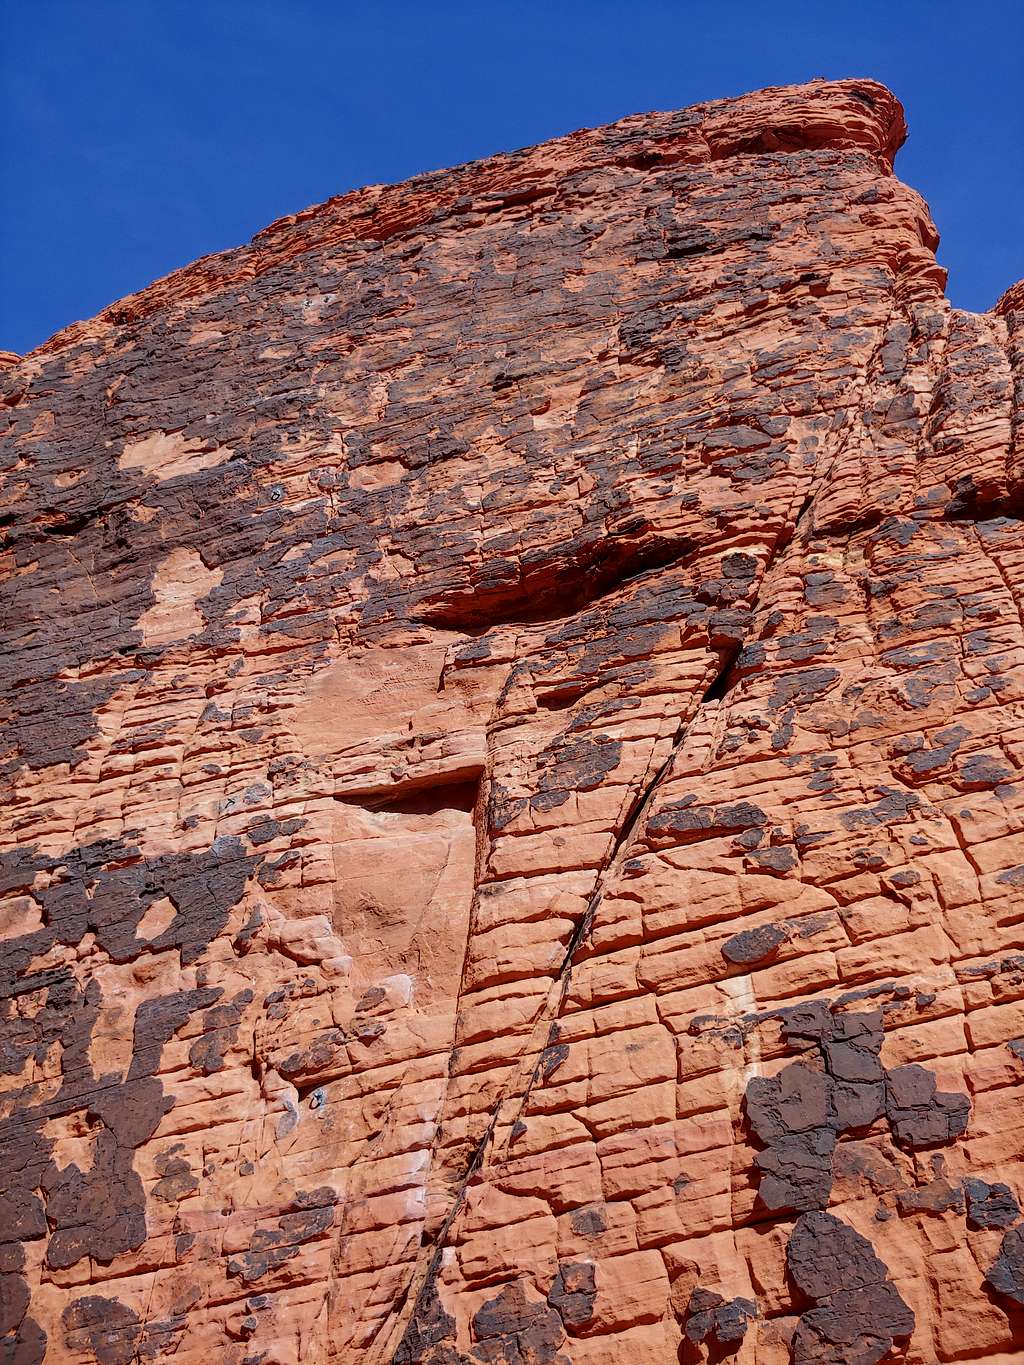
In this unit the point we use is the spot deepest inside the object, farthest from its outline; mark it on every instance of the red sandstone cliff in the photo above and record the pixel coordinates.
(514, 695)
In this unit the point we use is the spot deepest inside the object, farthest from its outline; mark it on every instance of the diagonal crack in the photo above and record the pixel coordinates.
(422, 1280)
(523, 1077)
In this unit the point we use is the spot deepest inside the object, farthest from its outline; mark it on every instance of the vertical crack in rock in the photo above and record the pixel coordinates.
(422, 1288)
(517, 1096)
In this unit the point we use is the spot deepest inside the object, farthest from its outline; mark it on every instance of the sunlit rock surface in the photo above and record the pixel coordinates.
(514, 703)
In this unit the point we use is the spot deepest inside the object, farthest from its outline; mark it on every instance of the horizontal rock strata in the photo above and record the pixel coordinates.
(513, 699)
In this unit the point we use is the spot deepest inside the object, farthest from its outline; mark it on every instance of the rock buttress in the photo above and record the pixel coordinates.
(513, 705)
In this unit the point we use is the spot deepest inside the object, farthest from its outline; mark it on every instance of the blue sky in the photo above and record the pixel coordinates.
(136, 135)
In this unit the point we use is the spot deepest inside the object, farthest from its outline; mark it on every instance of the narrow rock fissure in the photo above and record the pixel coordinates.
(630, 823)
(724, 680)
(716, 689)
(632, 819)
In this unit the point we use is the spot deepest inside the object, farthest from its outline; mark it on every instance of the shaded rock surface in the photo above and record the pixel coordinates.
(513, 692)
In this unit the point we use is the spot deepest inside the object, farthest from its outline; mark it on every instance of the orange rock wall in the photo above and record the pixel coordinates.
(514, 700)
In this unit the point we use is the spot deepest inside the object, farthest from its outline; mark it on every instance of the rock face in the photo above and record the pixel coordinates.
(514, 695)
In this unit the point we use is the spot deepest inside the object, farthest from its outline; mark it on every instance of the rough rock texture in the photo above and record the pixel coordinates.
(514, 704)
